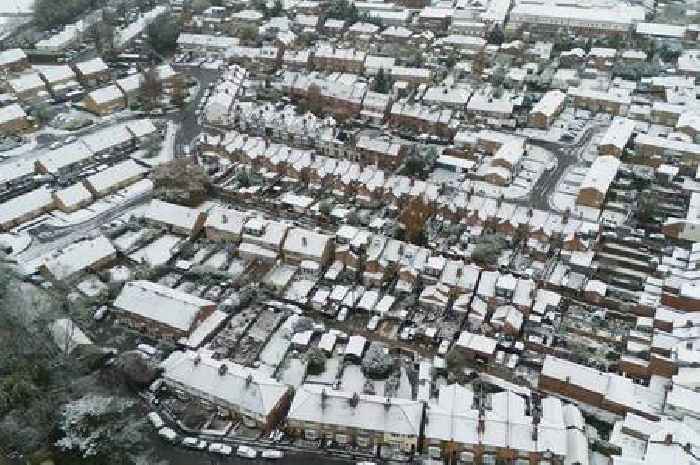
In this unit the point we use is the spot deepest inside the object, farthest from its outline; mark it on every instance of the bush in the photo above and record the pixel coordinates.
(377, 363)
(456, 361)
(315, 361)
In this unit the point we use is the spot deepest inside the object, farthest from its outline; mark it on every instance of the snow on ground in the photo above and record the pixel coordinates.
(276, 348)
(329, 376)
(167, 149)
(23, 149)
(561, 202)
(293, 372)
(91, 286)
(128, 240)
(217, 261)
(19, 242)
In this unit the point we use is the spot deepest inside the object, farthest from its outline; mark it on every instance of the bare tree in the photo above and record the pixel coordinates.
(151, 89)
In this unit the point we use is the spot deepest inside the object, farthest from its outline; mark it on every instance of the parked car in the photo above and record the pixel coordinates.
(272, 454)
(168, 434)
(219, 448)
(194, 443)
(246, 452)
(155, 420)
(147, 349)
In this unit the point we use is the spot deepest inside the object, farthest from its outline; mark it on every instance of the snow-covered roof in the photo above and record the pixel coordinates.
(24, 204)
(619, 132)
(115, 175)
(477, 342)
(106, 94)
(235, 386)
(74, 195)
(306, 243)
(316, 404)
(87, 68)
(65, 156)
(77, 257)
(161, 304)
(601, 173)
(549, 103)
(172, 214)
(12, 55)
(11, 113)
(107, 138)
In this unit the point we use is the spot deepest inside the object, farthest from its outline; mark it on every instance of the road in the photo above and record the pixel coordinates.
(181, 456)
(187, 119)
(70, 234)
(566, 156)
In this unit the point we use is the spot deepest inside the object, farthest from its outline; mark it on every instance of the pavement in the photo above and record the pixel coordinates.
(189, 126)
(566, 156)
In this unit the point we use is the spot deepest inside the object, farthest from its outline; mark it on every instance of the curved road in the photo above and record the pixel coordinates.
(566, 156)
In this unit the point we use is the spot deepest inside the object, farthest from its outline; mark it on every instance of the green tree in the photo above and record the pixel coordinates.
(488, 249)
(199, 6)
(248, 33)
(456, 361)
(381, 82)
(344, 10)
(47, 14)
(277, 9)
(496, 36)
(163, 33)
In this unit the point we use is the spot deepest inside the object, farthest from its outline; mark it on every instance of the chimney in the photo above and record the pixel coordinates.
(534, 433)
(304, 241)
(481, 426)
(669, 439)
(197, 360)
(387, 403)
(223, 369)
(249, 379)
(324, 396)
(354, 400)
(224, 219)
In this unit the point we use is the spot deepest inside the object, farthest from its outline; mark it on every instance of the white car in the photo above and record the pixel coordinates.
(155, 420)
(219, 448)
(194, 443)
(70, 140)
(272, 454)
(147, 349)
(246, 452)
(168, 434)
(55, 145)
